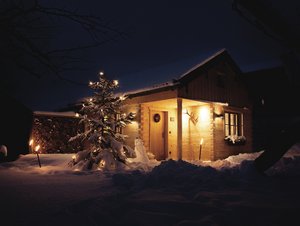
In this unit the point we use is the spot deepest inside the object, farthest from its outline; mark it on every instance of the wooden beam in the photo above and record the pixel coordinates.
(179, 128)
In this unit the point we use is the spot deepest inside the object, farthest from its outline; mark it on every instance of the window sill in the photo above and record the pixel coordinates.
(235, 140)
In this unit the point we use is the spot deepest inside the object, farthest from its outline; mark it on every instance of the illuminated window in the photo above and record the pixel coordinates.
(233, 124)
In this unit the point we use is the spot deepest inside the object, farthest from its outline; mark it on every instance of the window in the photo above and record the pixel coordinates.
(233, 124)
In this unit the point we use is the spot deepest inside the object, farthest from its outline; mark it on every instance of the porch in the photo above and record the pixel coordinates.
(178, 128)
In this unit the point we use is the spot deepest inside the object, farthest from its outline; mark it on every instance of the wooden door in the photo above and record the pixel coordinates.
(157, 134)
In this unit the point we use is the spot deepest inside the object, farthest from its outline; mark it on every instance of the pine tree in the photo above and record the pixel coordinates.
(103, 120)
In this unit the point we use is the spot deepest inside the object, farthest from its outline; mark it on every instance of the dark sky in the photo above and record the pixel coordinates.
(163, 39)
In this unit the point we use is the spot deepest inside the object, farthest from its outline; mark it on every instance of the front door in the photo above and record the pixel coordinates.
(157, 134)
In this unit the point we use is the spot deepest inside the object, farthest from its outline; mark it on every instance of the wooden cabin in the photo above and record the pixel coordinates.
(204, 114)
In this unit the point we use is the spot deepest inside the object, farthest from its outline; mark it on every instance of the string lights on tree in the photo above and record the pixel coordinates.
(103, 120)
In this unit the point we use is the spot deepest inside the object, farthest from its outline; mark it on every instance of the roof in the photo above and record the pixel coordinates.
(188, 75)
(209, 62)
(153, 89)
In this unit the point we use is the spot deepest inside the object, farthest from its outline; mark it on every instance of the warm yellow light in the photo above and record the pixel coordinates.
(91, 83)
(77, 115)
(31, 142)
(122, 98)
(74, 157)
(116, 82)
(204, 114)
(185, 117)
(201, 141)
(91, 99)
(102, 163)
(37, 148)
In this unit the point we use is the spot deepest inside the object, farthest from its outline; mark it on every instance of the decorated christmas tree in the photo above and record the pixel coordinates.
(103, 120)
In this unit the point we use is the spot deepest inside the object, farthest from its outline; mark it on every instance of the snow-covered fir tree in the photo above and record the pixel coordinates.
(103, 120)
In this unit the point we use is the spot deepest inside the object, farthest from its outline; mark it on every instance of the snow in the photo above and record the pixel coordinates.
(203, 62)
(223, 192)
(168, 84)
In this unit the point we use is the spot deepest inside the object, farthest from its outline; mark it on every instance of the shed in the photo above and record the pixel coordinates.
(204, 114)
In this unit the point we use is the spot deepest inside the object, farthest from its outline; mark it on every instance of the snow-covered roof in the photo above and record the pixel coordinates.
(204, 62)
(157, 87)
(57, 114)
(171, 84)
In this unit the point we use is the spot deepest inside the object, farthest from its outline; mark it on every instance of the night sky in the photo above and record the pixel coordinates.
(162, 40)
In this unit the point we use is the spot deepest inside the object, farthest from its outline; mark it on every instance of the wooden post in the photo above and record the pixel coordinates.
(38, 157)
(200, 150)
(37, 154)
(179, 128)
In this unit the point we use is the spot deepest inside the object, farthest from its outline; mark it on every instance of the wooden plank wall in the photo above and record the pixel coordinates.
(172, 134)
(218, 84)
(192, 133)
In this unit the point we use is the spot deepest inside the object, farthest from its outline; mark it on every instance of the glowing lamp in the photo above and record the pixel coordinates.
(201, 141)
(37, 154)
(204, 114)
(200, 150)
(37, 148)
(90, 83)
(101, 73)
(74, 159)
(31, 142)
(77, 115)
(102, 163)
(116, 82)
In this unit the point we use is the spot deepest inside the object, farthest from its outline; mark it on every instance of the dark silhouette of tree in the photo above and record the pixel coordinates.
(29, 45)
(286, 30)
(28, 37)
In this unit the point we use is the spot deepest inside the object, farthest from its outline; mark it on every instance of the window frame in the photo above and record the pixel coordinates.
(233, 123)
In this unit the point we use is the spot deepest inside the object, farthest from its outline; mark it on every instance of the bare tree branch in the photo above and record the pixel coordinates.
(27, 26)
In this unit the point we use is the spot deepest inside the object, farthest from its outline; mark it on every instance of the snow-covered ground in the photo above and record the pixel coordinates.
(227, 192)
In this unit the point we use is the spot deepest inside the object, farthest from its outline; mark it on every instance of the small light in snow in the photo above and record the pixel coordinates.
(76, 115)
(122, 98)
(91, 99)
(101, 73)
(91, 83)
(74, 159)
(102, 163)
(37, 148)
(116, 82)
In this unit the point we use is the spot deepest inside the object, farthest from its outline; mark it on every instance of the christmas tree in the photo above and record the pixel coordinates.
(103, 120)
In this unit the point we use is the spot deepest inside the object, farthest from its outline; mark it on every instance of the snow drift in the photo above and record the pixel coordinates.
(224, 192)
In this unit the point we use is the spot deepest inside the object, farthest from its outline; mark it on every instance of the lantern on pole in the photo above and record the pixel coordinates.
(31, 144)
(37, 154)
(200, 150)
